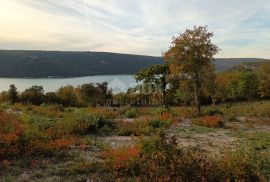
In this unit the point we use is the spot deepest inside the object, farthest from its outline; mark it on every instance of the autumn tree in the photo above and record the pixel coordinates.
(67, 96)
(155, 77)
(191, 54)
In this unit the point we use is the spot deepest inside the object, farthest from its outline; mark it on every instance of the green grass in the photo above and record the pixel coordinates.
(260, 109)
(258, 140)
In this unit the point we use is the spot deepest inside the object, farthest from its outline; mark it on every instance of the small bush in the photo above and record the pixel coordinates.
(136, 128)
(209, 121)
(143, 126)
(214, 112)
(120, 158)
(131, 112)
(83, 123)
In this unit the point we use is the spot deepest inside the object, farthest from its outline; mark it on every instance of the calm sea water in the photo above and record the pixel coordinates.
(119, 83)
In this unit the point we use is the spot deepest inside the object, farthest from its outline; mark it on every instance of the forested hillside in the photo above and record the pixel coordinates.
(70, 64)
(75, 64)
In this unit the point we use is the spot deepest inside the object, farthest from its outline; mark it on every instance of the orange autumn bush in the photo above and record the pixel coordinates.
(50, 147)
(209, 121)
(120, 158)
(25, 138)
(164, 116)
(10, 133)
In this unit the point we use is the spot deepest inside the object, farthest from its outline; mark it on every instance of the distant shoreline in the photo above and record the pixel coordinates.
(62, 77)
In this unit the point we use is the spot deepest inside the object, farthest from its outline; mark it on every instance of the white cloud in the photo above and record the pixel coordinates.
(133, 26)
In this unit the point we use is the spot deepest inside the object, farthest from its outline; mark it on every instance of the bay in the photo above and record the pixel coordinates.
(118, 83)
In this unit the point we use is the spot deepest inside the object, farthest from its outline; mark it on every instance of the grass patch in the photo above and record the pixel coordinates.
(257, 140)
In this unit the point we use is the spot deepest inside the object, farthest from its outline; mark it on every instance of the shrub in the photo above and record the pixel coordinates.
(142, 126)
(10, 133)
(136, 128)
(107, 113)
(160, 159)
(129, 112)
(214, 112)
(241, 165)
(209, 121)
(34, 136)
(83, 123)
(121, 160)
(50, 147)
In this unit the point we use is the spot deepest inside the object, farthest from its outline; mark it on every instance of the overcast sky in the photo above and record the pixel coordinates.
(241, 27)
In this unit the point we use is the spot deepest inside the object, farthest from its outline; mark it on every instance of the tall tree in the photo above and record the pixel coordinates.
(13, 94)
(191, 54)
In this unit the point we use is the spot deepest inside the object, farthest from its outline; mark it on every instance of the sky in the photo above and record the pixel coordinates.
(241, 27)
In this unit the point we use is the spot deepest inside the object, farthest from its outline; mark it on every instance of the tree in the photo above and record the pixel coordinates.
(67, 96)
(51, 98)
(209, 87)
(13, 94)
(233, 90)
(156, 76)
(103, 93)
(191, 55)
(264, 77)
(88, 94)
(33, 95)
(184, 92)
(249, 85)
(4, 97)
(226, 84)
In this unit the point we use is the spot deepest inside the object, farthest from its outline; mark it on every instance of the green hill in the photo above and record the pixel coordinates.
(74, 64)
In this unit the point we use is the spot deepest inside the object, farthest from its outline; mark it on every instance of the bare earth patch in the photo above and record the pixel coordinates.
(210, 140)
(119, 141)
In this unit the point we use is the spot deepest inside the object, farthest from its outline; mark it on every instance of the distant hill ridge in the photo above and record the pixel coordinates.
(18, 64)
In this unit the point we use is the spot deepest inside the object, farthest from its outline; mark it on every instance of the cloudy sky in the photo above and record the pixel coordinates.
(241, 27)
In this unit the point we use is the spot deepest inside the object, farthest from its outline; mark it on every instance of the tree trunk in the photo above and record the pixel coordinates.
(250, 103)
(165, 104)
(213, 103)
(196, 96)
(231, 102)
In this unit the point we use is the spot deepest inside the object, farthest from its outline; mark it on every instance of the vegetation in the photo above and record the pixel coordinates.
(215, 126)
(190, 57)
